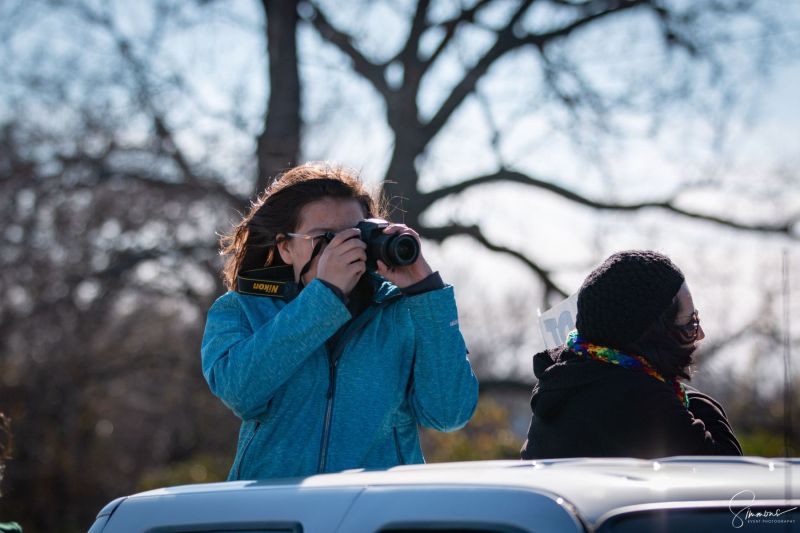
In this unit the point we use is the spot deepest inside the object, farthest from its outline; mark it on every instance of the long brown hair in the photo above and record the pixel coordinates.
(252, 242)
(669, 356)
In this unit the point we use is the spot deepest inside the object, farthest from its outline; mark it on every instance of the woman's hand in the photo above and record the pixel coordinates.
(406, 275)
(344, 260)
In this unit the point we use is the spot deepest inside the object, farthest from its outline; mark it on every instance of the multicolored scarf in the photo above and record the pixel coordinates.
(632, 362)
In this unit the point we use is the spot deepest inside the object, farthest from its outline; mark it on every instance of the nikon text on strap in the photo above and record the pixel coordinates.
(275, 282)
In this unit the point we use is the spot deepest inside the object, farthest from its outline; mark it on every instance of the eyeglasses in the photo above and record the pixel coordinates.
(688, 332)
(326, 236)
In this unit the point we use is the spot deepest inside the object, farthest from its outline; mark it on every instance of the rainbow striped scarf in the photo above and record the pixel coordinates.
(632, 362)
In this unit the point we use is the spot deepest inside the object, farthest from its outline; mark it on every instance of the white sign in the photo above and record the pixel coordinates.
(557, 321)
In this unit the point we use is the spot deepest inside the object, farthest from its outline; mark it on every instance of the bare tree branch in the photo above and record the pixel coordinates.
(144, 92)
(201, 187)
(170, 146)
(589, 12)
(709, 350)
(410, 52)
(439, 234)
(369, 70)
(207, 188)
(450, 27)
(510, 176)
(507, 40)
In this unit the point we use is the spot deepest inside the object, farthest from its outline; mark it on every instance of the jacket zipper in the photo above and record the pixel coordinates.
(326, 429)
(333, 360)
(244, 450)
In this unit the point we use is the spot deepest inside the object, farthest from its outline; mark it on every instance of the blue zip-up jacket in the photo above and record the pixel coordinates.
(400, 363)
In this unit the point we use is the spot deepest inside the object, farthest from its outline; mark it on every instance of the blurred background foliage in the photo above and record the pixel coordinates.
(487, 436)
(524, 140)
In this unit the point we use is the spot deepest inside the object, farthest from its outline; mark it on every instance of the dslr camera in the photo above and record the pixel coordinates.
(393, 250)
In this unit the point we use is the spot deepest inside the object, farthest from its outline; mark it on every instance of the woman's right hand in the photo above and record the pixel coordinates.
(344, 260)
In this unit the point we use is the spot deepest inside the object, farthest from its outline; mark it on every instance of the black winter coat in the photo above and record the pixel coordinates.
(587, 408)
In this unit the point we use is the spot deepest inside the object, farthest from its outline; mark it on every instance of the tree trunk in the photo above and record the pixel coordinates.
(400, 186)
(279, 142)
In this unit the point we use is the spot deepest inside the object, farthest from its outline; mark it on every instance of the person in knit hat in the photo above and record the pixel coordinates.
(613, 389)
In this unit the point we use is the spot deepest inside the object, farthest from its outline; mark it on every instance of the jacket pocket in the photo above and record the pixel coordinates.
(397, 448)
(244, 449)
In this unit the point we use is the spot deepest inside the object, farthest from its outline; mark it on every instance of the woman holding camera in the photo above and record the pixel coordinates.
(331, 365)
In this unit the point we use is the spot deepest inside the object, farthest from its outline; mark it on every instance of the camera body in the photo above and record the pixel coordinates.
(393, 250)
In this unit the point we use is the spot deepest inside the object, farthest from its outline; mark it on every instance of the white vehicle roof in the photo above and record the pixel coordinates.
(568, 494)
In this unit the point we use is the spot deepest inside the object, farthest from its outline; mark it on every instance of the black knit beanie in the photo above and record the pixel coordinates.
(622, 297)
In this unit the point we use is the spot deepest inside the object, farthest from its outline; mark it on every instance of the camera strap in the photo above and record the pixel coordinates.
(275, 282)
(325, 239)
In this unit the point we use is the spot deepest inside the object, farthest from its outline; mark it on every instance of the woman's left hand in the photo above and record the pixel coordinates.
(408, 275)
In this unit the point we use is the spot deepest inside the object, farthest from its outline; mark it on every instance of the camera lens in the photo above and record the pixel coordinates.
(403, 250)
